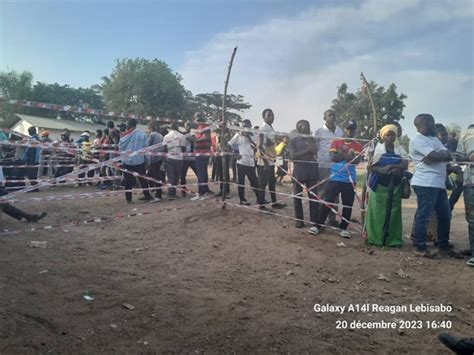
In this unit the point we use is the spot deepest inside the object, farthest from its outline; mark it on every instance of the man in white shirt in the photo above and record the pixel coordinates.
(430, 157)
(466, 151)
(246, 161)
(324, 136)
(175, 144)
(266, 160)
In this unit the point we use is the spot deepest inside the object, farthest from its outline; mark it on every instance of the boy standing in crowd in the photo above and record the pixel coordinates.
(174, 162)
(134, 140)
(154, 160)
(466, 149)
(303, 150)
(430, 157)
(266, 160)
(202, 144)
(342, 152)
(245, 162)
(189, 161)
(324, 137)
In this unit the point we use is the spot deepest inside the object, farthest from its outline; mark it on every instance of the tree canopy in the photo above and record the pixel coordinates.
(453, 127)
(388, 103)
(146, 87)
(211, 105)
(140, 86)
(15, 85)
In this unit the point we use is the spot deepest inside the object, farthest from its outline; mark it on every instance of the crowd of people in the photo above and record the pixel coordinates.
(321, 163)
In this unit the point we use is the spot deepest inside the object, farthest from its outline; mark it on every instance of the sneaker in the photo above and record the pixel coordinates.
(313, 230)
(145, 198)
(244, 203)
(36, 217)
(155, 199)
(457, 344)
(345, 234)
(426, 253)
(278, 205)
(299, 224)
(470, 262)
(264, 208)
(450, 253)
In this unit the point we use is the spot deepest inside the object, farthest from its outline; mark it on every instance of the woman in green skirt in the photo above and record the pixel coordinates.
(384, 210)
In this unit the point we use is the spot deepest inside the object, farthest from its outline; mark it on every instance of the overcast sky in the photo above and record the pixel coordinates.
(292, 54)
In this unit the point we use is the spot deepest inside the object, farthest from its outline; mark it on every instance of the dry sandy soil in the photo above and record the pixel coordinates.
(203, 279)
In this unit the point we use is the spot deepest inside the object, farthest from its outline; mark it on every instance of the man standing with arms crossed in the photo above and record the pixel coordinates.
(266, 160)
(324, 136)
(430, 157)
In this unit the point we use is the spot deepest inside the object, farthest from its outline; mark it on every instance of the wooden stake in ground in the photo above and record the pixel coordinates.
(374, 114)
(225, 180)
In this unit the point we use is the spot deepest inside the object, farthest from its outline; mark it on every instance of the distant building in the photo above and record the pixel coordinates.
(21, 123)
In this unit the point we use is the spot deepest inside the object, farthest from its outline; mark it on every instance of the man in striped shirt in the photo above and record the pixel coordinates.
(202, 144)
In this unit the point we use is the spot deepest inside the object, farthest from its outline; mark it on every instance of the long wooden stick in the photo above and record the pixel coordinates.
(225, 168)
(374, 114)
(372, 104)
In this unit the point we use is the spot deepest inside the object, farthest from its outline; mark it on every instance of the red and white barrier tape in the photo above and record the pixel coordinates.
(87, 111)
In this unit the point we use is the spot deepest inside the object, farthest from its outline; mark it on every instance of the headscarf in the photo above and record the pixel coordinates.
(380, 149)
(386, 129)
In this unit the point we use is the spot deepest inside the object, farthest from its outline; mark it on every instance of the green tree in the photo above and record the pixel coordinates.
(454, 128)
(388, 104)
(211, 105)
(14, 85)
(142, 86)
(66, 95)
(405, 142)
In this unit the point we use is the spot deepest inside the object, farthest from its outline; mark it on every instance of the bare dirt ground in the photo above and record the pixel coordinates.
(203, 279)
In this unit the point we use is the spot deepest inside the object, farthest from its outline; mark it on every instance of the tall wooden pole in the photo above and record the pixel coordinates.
(374, 114)
(372, 104)
(225, 168)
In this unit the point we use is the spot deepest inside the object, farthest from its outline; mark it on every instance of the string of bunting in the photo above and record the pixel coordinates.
(84, 110)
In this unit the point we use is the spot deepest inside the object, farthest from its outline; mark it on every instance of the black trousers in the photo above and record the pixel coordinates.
(90, 173)
(298, 203)
(129, 180)
(184, 171)
(249, 172)
(456, 193)
(173, 170)
(333, 189)
(154, 171)
(266, 176)
(220, 172)
(14, 212)
(19, 174)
